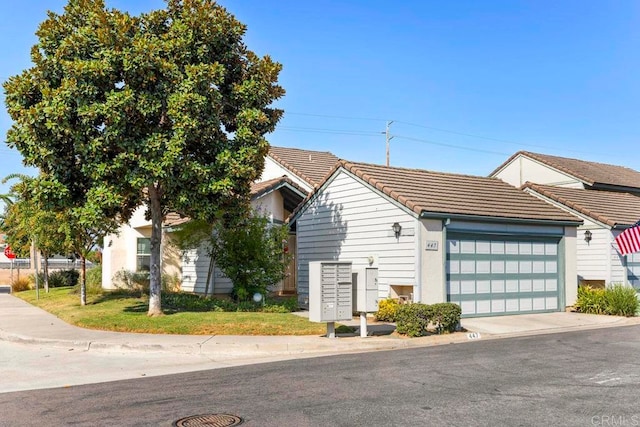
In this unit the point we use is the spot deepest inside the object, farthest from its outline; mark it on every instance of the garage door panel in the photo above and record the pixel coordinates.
(489, 276)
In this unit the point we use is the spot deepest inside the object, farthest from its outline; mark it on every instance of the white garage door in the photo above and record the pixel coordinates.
(489, 276)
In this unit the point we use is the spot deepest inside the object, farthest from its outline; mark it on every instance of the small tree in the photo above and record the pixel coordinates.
(28, 223)
(251, 253)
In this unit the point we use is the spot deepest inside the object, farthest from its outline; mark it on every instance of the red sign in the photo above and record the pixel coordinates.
(8, 253)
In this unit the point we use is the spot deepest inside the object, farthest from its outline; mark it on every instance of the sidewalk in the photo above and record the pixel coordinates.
(24, 323)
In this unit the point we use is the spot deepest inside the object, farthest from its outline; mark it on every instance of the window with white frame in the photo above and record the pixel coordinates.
(143, 254)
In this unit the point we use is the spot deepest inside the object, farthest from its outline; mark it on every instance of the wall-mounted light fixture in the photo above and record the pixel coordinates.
(397, 228)
(587, 236)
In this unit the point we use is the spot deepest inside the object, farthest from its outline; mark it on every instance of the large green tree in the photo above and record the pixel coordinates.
(167, 109)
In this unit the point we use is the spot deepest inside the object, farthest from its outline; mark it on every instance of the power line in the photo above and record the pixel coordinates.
(389, 136)
(444, 144)
(327, 116)
(329, 131)
(454, 132)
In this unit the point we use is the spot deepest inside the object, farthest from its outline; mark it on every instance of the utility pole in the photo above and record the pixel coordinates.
(389, 138)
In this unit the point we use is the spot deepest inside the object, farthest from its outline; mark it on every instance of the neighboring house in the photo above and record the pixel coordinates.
(277, 198)
(288, 176)
(475, 241)
(605, 197)
(525, 166)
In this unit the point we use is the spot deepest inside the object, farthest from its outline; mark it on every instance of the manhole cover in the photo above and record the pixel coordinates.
(210, 420)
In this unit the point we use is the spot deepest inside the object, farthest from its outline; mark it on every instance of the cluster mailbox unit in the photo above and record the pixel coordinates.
(336, 291)
(330, 294)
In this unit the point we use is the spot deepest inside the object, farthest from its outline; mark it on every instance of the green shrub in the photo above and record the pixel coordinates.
(387, 310)
(281, 305)
(250, 252)
(193, 302)
(57, 278)
(445, 317)
(591, 301)
(63, 278)
(413, 319)
(621, 300)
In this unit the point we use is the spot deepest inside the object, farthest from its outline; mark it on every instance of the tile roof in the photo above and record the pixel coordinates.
(591, 173)
(453, 194)
(609, 207)
(312, 166)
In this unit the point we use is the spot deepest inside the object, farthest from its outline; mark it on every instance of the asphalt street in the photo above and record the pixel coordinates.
(583, 378)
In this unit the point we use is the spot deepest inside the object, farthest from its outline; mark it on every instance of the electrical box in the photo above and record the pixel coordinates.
(330, 292)
(365, 289)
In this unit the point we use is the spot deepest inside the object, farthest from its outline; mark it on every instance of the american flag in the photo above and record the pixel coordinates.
(629, 240)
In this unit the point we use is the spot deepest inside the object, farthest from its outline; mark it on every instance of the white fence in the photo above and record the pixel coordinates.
(54, 264)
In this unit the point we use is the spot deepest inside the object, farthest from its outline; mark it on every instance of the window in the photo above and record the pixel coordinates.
(143, 253)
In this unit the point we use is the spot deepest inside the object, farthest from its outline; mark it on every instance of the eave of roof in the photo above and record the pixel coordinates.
(427, 193)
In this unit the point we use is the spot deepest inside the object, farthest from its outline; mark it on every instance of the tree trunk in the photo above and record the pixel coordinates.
(83, 280)
(45, 272)
(155, 285)
(209, 274)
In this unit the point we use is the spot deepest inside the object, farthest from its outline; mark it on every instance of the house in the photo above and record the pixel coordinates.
(525, 166)
(288, 176)
(606, 197)
(436, 237)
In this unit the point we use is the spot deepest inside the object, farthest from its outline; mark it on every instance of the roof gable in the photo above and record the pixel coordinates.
(612, 208)
(590, 173)
(426, 192)
(311, 166)
(292, 196)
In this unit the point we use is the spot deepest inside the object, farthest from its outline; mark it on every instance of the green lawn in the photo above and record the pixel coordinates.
(126, 313)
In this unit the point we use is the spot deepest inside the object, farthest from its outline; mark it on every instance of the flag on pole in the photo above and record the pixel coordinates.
(629, 240)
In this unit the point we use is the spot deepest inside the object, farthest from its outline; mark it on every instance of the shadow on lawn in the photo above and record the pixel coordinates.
(134, 302)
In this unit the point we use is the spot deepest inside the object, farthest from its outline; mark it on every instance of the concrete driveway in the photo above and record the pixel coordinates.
(524, 324)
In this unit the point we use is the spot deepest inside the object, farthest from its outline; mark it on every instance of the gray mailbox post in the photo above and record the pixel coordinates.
(365, 287)
(330, 293)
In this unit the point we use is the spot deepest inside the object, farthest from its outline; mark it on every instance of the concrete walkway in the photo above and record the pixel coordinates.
(24, 323)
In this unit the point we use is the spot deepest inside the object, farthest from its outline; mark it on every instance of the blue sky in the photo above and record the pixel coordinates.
(467, 83)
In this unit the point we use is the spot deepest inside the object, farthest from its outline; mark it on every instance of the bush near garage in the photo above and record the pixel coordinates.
(413, 319)
(445, 317)
(387, 310)
(591, 300)
(615, 300)
(621, 300)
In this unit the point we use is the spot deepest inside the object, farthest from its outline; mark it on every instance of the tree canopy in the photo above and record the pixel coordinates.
(167, 109)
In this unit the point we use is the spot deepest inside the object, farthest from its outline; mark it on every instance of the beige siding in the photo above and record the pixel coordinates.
(522, 169)
(433, 261)
(120, 249)
(350, 222)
